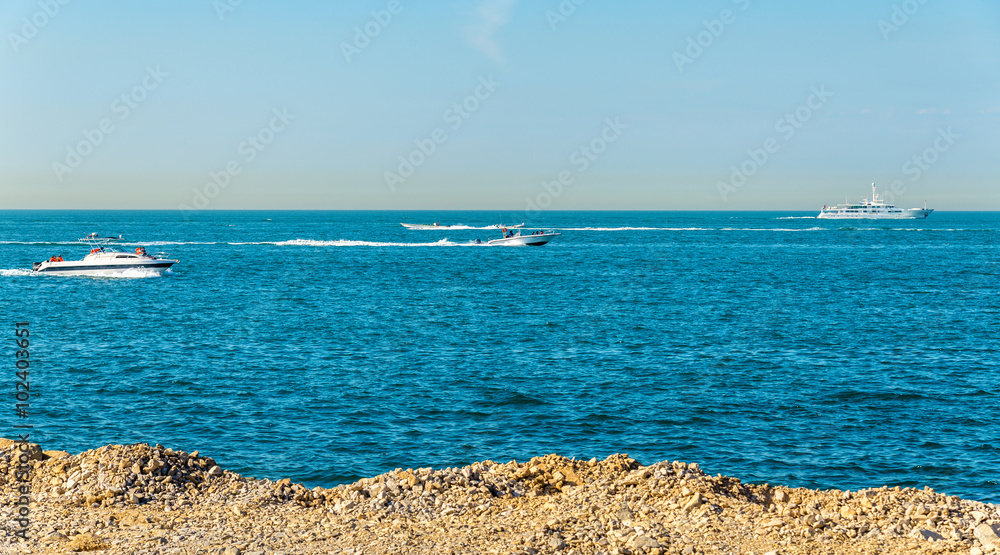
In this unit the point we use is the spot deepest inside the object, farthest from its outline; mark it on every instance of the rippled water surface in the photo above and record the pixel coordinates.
(327, 346)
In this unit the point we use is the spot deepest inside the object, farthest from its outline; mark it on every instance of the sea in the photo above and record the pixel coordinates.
(327, 346)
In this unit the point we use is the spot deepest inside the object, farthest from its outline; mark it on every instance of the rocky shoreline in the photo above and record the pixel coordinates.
(142, 499)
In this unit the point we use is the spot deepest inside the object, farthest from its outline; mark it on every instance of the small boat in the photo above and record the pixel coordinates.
(535, 239)
(103, 259)
(874, 208)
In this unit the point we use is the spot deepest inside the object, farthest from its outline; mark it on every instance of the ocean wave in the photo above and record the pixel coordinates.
(15, 272)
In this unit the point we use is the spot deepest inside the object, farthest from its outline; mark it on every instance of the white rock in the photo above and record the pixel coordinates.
(987, 536)
(926, 535)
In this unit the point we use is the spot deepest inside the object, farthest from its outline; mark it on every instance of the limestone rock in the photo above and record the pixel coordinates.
(987, 536)
(87, 542)
(55, 537)
(645, 542)
(926, 535)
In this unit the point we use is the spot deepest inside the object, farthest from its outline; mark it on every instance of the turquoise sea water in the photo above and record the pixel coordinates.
(329, 346)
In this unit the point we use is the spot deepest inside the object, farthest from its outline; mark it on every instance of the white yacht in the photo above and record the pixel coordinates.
(104, 259)
(874, 208)
(535, 239)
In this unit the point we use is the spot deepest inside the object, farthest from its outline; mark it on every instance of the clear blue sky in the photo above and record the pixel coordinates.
(199, 77)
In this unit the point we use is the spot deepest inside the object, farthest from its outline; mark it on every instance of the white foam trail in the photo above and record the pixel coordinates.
(349, 243)
(15, 272)
(163, 243)
(83, 245)
(797, 218)
(631, 228)
(42, 243)
(133, 273)
(772, 229)
(463, 226)
(446, 227)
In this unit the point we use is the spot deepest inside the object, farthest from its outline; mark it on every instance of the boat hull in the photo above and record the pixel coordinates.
(911, 214)
(525, 240)
(82, 268)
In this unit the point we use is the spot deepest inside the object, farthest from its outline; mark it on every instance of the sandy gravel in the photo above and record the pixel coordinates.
(142, 499)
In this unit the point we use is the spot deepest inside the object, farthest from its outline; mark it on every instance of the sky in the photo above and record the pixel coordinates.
(498, 104)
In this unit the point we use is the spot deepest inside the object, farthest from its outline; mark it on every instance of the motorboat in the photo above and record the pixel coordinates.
(104, 259)
(535, 239)
(873, 208)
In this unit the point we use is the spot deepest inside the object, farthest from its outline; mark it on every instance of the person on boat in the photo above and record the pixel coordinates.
(59, 258)
(53, 259)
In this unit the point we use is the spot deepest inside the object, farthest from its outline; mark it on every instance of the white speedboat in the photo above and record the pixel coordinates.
(536, 239)
(872, 209)
(104, 259)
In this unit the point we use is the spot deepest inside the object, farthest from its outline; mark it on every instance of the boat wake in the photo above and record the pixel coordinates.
(351, 243)
(125, 243)
(130, 273)
(453, 227)
(774, 229)
(135, 273)
(166, 243)
(633, 228)
(796, 218)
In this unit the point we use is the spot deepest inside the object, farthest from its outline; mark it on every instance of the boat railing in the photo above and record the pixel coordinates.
(101, 244)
